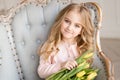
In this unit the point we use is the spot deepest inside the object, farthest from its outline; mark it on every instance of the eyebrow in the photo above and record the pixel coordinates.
(67, 18)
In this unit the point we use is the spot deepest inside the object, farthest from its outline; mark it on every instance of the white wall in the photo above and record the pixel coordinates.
(111, 18)
(6, 4)
(111, 15)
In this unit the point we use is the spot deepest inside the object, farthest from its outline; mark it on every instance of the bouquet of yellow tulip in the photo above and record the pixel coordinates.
(86, 74)
(81, 72)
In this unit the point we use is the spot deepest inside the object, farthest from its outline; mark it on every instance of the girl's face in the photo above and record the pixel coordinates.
(71, 25)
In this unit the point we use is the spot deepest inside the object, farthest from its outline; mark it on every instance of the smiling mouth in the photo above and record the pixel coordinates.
(67, 31)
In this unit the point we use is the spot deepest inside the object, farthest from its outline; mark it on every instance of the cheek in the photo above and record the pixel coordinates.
(63, 26)
(78, 31)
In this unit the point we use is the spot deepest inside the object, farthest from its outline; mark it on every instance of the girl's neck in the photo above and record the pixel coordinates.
(69, 42)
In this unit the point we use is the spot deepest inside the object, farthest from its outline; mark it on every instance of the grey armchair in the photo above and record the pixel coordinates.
(26, 27)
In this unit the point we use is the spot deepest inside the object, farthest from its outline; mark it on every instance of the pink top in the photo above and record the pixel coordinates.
(53, 64)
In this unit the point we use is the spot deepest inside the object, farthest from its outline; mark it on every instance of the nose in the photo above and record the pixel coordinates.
(70, 27)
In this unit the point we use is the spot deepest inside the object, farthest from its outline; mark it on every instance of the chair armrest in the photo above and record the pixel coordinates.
(109, 66)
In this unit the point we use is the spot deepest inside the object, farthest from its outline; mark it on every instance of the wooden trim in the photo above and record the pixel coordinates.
(108, 65)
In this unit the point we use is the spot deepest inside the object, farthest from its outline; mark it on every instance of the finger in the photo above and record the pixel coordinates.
(67, 67)
(71, 67)
(74, 63)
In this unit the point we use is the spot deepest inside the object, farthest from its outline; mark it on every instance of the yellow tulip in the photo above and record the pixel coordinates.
(87, 66)
(88, 55)
(80, 74)
(82, 64)
(91, 76)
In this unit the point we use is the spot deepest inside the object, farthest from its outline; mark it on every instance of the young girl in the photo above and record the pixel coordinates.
(71, 35)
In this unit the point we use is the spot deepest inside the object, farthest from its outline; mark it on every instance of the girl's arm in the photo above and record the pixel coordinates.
(47, 67)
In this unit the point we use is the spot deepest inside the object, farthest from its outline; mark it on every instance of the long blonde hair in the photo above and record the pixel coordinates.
(84, 40)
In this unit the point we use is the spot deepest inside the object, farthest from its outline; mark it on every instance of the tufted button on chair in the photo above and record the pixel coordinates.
(27, 26)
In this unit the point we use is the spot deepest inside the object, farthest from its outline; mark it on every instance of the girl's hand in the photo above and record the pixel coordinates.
(70, 64)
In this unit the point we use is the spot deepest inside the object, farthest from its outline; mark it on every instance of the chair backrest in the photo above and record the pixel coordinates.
(25, 28)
